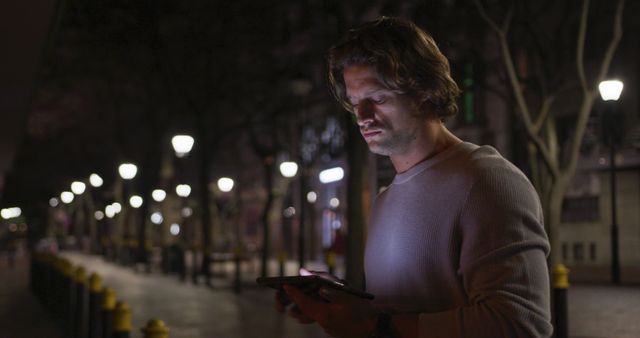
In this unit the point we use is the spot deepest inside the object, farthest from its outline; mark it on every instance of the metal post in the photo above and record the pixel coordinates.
(155, 329)
(95, 303)
(80, 308)
(560, 309)
(122, 321)
(615, 259)
(108, 307)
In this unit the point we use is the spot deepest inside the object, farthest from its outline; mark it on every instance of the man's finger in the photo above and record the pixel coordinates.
(335, 296)
(282, 301)
(304, 302)
(297, 314)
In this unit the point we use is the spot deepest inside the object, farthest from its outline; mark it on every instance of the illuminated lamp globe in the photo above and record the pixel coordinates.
(158, 195)
(183, 190)
(127, 171)
(95, 180)
(78, 187)
(66, 197)
(135, 201)
(182, 144)
(288, 169)
(225, 184)
(610, 90)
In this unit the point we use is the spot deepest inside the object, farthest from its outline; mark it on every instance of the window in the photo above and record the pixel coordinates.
(592, 251)
(581, 209)
(578, 252)
(565, 251)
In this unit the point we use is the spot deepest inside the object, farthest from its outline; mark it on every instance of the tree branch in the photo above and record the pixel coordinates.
(582, 33)
(523, 109)
(543, 113)
(590, 94)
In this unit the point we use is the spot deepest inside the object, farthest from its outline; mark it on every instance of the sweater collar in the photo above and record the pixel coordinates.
(421, 166)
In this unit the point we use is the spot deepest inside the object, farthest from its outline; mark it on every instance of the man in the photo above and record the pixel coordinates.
(456, 245)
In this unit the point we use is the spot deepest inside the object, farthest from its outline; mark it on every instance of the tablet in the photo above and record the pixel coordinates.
(310, 284)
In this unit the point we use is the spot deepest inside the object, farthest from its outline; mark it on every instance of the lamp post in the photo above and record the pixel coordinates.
(127, 172)
(610, 92)
(226, 185)
(289, 169)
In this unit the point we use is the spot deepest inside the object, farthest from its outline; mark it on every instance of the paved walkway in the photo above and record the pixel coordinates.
(196, 311)
(596, 311)
(21, 315)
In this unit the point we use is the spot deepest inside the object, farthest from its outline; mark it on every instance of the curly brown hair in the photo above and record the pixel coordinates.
(406, 59)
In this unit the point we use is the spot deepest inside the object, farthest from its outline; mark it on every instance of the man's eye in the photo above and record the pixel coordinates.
(379, 100)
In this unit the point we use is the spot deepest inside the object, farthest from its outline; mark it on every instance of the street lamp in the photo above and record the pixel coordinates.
(610, 91)
(225, 184)
(135, 201)
(95, 180)
(183, 190)
(78, 187)
(127, 171)
(158, 195)
(66, 197)
(330, 175)
(288, 169)
(182, 144)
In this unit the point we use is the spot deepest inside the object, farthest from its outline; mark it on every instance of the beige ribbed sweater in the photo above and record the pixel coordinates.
(459, 239)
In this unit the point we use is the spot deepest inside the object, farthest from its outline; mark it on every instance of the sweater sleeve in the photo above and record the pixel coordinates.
(503, 268)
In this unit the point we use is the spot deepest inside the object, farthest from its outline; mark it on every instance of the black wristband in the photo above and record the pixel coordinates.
(384, 327)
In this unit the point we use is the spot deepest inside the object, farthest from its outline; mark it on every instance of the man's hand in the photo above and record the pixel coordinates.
(338, 313)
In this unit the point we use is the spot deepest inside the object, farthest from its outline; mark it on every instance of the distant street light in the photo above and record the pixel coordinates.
(117, 207)
(225, 184)
(78, 187)
(135, 201)
(156, 218)
(174, 229)
(288, 169)
(331, 175)
(127, 171)
(99, 215)
(610, 91)
(312, 197)
(183, 190)
(53, 202)
(158, 195)
(182, 144)
(95, 180)
(66, 197)
(9, 213)
(109, 212)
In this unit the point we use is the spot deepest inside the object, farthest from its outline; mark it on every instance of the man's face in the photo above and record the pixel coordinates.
(389, 121)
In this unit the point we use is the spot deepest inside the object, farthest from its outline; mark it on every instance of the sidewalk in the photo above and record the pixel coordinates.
(194, 311)
(21, 315)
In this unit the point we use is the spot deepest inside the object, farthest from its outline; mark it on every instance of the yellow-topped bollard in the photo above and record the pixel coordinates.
(95, 283)
(122, 320)
(560, 309)
(106, 313)
(331, 261)
(108, 299)
(560, 277)
(80, 275)
(282, 259)
(155, 329)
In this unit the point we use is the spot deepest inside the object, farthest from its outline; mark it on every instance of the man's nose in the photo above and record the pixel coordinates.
(364, 112)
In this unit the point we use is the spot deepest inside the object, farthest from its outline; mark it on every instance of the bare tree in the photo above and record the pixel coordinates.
(552, 168)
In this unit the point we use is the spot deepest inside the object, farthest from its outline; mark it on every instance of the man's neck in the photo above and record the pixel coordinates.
(434, 139)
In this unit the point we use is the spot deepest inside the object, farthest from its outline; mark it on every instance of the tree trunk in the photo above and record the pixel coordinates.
(266, 241)
(355, 217)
